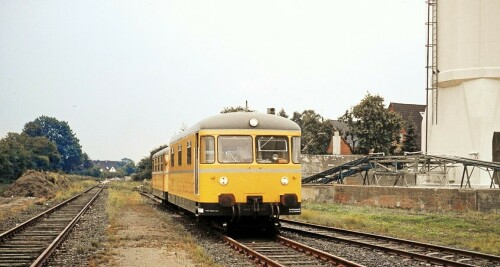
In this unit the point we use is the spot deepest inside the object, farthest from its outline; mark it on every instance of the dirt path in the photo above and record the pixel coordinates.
(143, 238)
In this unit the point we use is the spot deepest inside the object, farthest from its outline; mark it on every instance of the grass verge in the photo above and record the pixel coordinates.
(76, 185)
(471, 230)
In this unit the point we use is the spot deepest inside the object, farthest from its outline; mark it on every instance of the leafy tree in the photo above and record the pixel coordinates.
(376, 128)
(14, 157)
(19, 152)
(410, 140)
(87, 163)
(316, 132)
(126, 160)
(236, 109)
(282, 113)
(61, 134)
(44, 154)
(144, 166)
(143, 170)
(128, 166)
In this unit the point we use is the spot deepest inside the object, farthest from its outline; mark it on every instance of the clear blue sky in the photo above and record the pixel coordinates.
(127, 75)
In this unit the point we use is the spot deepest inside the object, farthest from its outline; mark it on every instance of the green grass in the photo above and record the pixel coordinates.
(76, 184)
(470, 230)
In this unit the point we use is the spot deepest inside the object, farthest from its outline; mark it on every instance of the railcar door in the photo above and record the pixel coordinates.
(196, 166)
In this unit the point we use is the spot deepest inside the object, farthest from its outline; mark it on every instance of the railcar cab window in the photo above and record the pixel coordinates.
(234, 149)
(272, 149)
(207, 149)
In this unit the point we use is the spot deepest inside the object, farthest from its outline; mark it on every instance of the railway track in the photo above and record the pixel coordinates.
(428, 253)
(32, 242)
(285, 252)
(279, 251)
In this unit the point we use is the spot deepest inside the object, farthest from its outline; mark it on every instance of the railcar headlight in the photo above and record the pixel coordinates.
(254, 122)
(223, 180)
(284, 180)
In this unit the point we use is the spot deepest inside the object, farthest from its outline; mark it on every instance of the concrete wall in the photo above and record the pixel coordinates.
(431, 199)
(313, 164)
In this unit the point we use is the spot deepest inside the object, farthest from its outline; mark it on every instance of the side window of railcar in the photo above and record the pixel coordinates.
(207, 149)
(296, 149)
(234, 149)
(172, 157)
(165, 160)
(272, 149)
(179, 161)
(188, 151)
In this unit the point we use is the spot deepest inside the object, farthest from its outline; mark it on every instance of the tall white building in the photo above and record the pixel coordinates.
(463, 115)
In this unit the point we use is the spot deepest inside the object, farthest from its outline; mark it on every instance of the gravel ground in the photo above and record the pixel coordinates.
(12, 220)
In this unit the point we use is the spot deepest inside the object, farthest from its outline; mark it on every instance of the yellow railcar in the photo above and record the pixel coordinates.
(234, 167)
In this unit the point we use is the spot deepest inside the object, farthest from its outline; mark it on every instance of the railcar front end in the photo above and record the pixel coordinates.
(249, 176)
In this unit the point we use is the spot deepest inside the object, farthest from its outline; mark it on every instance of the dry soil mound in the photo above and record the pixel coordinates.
(36, 184)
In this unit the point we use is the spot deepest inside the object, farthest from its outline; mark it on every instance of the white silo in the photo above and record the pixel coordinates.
(464, 80)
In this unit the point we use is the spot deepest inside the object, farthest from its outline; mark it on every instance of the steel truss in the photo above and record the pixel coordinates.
(403, 166)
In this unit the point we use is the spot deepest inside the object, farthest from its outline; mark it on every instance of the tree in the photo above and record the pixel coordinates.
(316, 132)
(410, 140)
(282, 113)
(128, 166)
(44, 154)
(20, 152)
(143, 170)
(144, 166)
(376, 128)
(61, 134)
(236, 109)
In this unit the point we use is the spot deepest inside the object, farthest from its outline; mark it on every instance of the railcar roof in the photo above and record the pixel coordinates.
(240, 120)
(163, 151)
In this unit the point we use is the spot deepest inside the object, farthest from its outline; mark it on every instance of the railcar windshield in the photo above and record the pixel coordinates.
(272, 149)
(234, 149)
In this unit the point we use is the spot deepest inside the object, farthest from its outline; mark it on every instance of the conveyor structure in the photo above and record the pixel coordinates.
(403, 167)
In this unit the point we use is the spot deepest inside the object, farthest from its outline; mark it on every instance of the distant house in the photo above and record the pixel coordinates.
(411, 114)
(107, 165)
(342, 143)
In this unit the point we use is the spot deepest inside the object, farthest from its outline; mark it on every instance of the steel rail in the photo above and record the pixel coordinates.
(337, 261)
(60, 238)
(33, 220)
(435, 260)
(256, 256)
(36, 254)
